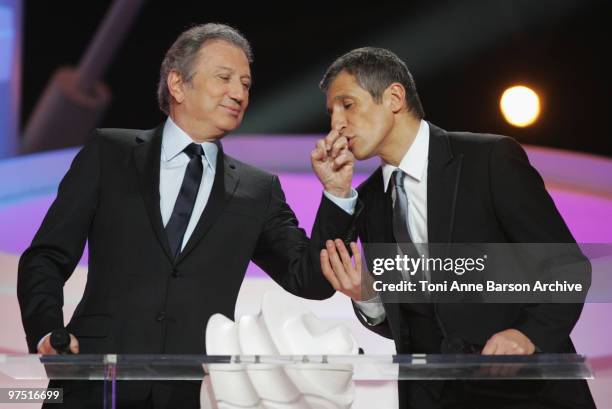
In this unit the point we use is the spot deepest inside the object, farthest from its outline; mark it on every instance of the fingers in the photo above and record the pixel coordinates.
(489, 348)
(45, 347)
(74, 344)
(513, 348)
(337, 150)
(338, 146)
(508, 342)
(346, 157)
(338, 269)
(353, 274)
(337, 266)
(510, 349)
(319, 153)
(357, 256)
(502, 348)
(525, 346)
(330, 139)
(328, 272)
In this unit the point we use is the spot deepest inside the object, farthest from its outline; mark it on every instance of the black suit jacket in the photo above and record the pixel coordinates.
(480, 189)
(137, 298)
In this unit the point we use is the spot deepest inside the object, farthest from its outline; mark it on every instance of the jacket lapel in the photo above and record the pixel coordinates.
(443, 173)
(378, 221)
(147, 154)
(377, 211)
(223, 189)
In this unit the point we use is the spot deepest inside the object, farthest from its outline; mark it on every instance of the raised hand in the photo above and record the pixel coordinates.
(342, 274)
(333, 164)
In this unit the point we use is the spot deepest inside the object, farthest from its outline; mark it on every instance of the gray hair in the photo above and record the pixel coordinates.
(181, 56)
(374, 70)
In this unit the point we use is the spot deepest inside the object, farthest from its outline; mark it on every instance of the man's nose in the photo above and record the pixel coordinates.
(237, 91)
(338, 121)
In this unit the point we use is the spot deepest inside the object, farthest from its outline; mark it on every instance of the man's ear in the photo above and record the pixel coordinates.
(395, 97)
(175, 86)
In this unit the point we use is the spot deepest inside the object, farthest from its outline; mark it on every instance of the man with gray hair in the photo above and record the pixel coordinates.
(172, 223)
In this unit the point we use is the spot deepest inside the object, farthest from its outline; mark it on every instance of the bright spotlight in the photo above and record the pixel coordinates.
(520, 106)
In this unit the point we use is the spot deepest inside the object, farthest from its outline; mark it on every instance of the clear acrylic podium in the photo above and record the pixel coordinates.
(353, 369)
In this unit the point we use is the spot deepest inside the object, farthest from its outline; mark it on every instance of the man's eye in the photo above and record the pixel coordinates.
(247, 86)
(224, 77)
(347, 105)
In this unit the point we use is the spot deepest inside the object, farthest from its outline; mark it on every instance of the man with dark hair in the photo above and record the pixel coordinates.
(436, 186)
(172, 223)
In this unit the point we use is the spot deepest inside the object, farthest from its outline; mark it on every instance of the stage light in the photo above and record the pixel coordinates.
(520, 106)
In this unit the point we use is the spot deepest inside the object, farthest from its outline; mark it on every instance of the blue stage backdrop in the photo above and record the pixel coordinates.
(10, 72)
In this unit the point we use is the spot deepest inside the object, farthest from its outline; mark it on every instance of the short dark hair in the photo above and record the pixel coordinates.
(182, 54)
(374, 70)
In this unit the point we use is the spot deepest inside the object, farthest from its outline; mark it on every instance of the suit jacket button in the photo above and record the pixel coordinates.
(175, 273)
(161, 316)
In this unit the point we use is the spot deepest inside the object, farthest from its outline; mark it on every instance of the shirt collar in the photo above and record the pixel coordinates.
(175, 140)
(414, 162)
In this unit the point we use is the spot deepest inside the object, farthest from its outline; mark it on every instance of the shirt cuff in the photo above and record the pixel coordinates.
(345, 203)
(372, 310)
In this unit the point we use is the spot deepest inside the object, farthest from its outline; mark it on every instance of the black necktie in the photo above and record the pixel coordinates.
(401, 226)
(400, 209)
(181, 214)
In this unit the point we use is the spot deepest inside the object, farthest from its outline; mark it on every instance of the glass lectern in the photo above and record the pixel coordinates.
(334, 381)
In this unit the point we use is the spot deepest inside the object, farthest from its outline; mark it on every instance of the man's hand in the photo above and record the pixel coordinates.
(45, 347)
(333, 164)
(339, 270)
(509, 342)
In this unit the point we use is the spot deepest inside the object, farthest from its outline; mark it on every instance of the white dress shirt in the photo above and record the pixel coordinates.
(414, 164)
(172, 171)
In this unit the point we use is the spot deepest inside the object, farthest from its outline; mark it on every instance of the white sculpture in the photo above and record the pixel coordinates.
(282, 327)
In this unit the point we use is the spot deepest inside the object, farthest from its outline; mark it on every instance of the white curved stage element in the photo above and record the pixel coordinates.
(282, 327)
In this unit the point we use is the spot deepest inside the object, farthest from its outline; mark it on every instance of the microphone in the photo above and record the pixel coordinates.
(60, 341)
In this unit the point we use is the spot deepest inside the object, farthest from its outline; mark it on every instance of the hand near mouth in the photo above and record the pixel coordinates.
(333, 164)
